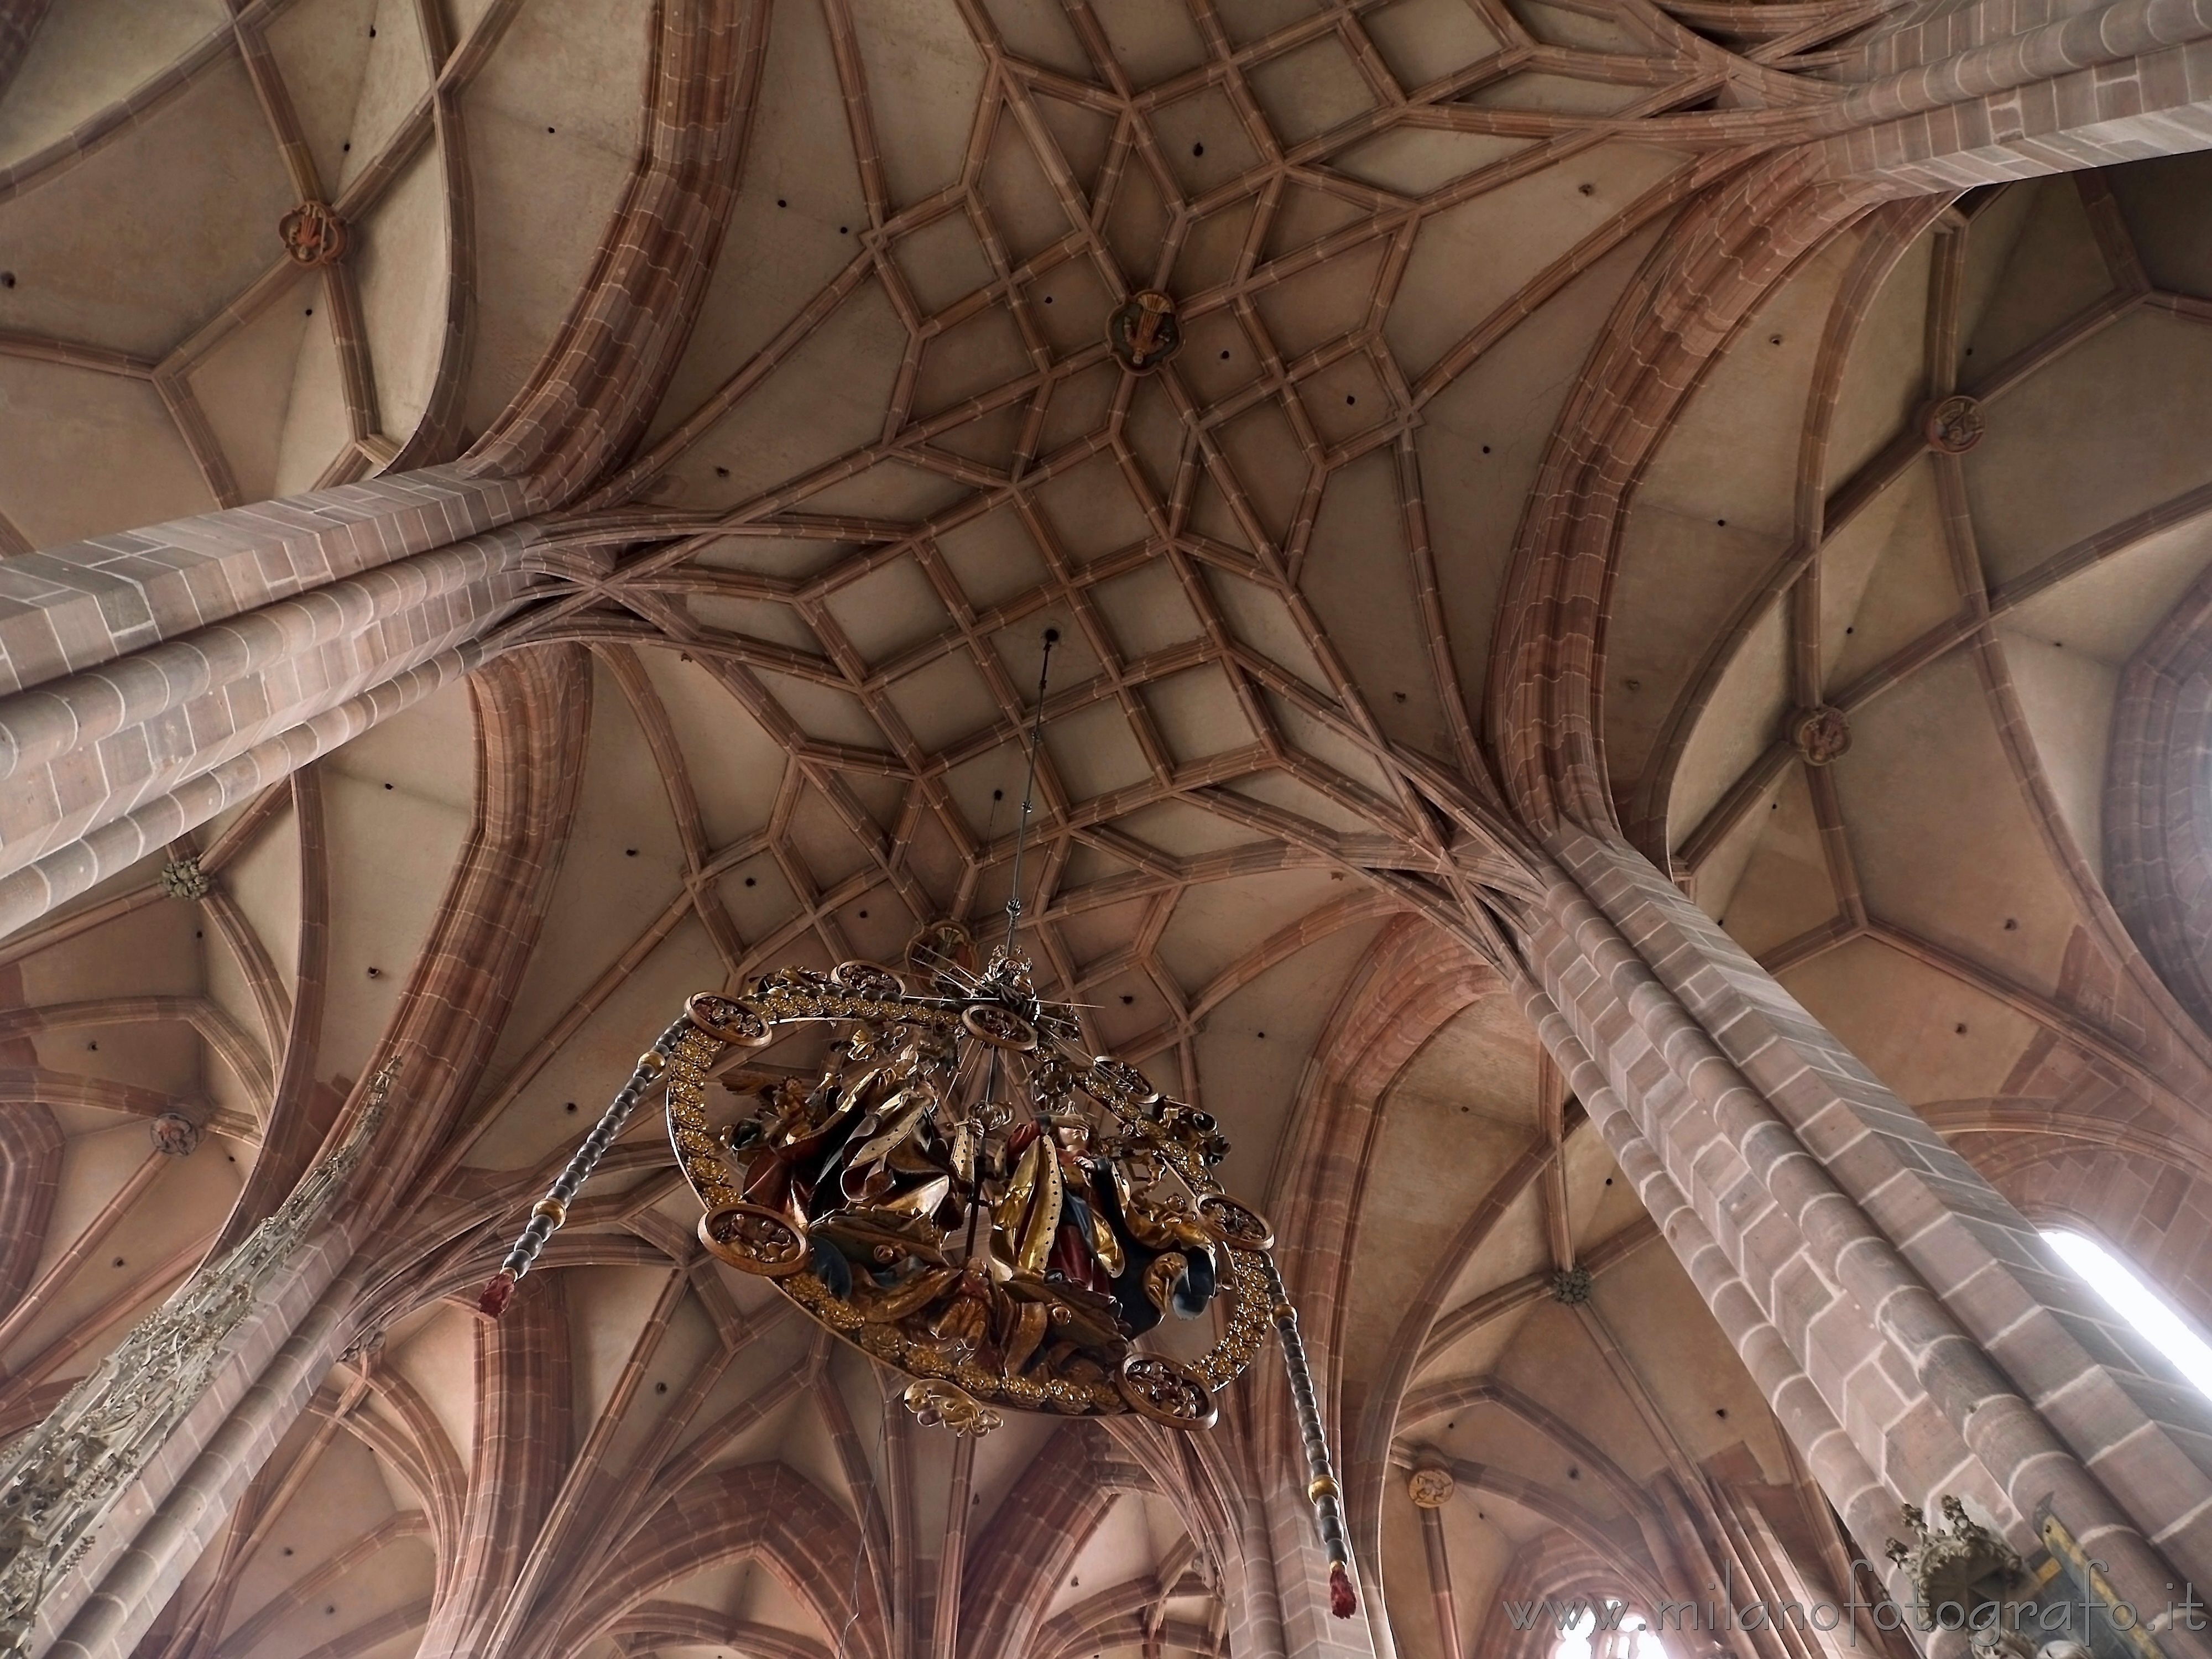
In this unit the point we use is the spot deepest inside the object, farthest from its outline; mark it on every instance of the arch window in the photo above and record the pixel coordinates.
(1608, 1628)
(2152, 1315)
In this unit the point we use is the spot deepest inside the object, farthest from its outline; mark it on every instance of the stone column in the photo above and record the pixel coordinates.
(110, 1501)
(1908, 1326)
(519, 1451)
(1406, 991)
(1431, 1490)
(72, 607)
(151, 678)
(202, 1392)
(1973, 93)
(1252, 1594)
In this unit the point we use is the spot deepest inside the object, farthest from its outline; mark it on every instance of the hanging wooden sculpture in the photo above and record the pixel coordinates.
(968, 1198)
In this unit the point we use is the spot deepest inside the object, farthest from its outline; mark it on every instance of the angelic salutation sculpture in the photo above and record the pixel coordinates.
(964, 1194)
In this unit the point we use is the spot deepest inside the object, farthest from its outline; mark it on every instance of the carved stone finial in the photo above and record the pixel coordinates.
(1431, 1488)
(1951, 425)
(1963, 1567)
(312, 234)
(1145, 333)
(174, 1135)
(1570, 1285)
(1822, 736)
(183, 878)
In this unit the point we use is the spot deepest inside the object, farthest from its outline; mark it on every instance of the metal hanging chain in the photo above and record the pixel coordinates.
(1029, 791)
(550, 1211)
(1321, 1485)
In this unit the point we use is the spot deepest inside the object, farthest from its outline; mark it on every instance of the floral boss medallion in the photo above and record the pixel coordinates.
(1431, 1488)
(1144, 332)
(1821, 735)
(1953, 425)
(312, 234)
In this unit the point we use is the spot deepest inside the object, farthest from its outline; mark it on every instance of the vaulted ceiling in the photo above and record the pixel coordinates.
(149, 313)
(894, 452)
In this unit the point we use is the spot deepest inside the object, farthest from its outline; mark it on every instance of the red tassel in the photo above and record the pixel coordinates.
(1341, 1601)
(496, 1295)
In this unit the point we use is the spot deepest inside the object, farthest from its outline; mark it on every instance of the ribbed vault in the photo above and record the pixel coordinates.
(821, 490)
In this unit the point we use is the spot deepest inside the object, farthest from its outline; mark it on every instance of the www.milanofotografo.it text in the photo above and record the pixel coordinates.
(1588, 1616)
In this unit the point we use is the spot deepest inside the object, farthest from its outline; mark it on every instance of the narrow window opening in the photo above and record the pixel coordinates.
(2138, 1304)
(1606, 1628)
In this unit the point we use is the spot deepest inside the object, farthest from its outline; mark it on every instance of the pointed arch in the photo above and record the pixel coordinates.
(30, 1174)
(768, 1513)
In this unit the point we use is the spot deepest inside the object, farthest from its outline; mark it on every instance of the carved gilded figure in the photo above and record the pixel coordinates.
(968, 1198)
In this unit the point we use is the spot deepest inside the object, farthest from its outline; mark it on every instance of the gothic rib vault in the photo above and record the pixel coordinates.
(793, 313)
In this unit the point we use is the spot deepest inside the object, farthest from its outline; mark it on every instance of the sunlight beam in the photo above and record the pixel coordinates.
(2136, 1303)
